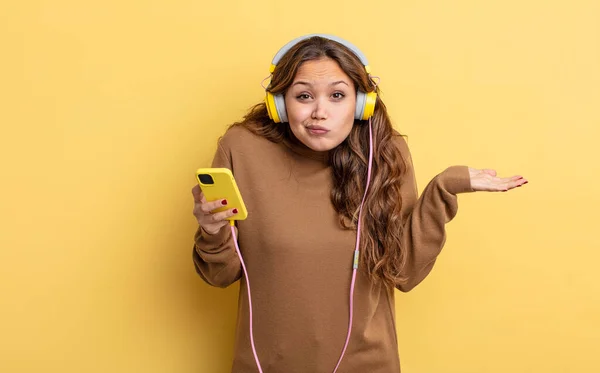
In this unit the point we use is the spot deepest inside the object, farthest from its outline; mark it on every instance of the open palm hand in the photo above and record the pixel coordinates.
(486, 180)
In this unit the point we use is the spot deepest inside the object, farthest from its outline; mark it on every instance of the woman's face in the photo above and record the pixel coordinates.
(320, 104)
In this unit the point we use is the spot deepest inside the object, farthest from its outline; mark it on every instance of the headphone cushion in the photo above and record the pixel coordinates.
(280, 106)
(361, 100)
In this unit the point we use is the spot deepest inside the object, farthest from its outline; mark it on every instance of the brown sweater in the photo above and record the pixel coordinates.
(299, 260)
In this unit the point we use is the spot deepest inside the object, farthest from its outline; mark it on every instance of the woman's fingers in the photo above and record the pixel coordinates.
(211, 222)
(201, 206)
(513, 183)
(220, 216)
(198, 195)
(518, 182)
(207, 207)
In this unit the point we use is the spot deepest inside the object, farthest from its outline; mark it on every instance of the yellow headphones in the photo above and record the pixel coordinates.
(365, 101)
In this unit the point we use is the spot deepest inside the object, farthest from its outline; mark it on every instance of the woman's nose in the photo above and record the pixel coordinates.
(319, 111)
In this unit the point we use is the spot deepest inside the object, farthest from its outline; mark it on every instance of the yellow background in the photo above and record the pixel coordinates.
(107, 108)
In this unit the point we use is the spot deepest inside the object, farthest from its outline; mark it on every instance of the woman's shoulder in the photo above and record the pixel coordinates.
(239, 135)
(400, 141)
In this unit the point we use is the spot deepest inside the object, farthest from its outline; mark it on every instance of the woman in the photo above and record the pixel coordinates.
(304, 180)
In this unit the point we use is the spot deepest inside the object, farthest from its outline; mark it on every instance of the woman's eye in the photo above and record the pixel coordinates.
(303, 96)
(338, 95)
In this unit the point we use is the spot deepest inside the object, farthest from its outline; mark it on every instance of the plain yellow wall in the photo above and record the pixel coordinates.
(108, 107)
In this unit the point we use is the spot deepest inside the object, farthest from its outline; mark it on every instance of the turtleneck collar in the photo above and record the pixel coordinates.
(299, 148)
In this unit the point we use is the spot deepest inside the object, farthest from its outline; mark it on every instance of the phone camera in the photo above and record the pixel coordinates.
(206, 179)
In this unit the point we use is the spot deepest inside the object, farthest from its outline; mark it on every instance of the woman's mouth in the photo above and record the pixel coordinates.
(316, 130)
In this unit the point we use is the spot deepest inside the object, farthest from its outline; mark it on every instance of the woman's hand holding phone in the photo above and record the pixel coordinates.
(211, 223)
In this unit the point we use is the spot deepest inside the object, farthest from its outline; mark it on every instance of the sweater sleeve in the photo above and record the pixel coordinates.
(215, 258)
(425, 217)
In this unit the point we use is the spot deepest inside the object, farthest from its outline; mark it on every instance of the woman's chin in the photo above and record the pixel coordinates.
(321, 145)
(318, 143)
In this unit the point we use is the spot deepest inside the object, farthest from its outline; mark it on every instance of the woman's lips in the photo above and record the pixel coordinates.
(317, 130)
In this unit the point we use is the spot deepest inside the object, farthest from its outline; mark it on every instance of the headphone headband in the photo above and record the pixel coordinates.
(347, 44)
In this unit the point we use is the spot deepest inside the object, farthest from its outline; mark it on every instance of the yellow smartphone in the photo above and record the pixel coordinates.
(218, 183)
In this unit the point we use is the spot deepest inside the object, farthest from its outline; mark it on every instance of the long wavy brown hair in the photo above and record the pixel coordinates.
(381, 247)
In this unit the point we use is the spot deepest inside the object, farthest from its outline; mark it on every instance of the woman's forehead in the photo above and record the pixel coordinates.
(321, 71)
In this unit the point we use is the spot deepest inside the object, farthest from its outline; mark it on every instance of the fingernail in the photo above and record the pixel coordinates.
(235, 211)
(224, 202)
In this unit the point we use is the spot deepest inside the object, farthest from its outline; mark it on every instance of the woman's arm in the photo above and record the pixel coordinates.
(214, 254)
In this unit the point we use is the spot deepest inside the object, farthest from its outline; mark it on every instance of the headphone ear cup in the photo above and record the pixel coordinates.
(276, 107)
(361, 99)
(281, 110)
(271, 107)
(370, 100)
(365, 105)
